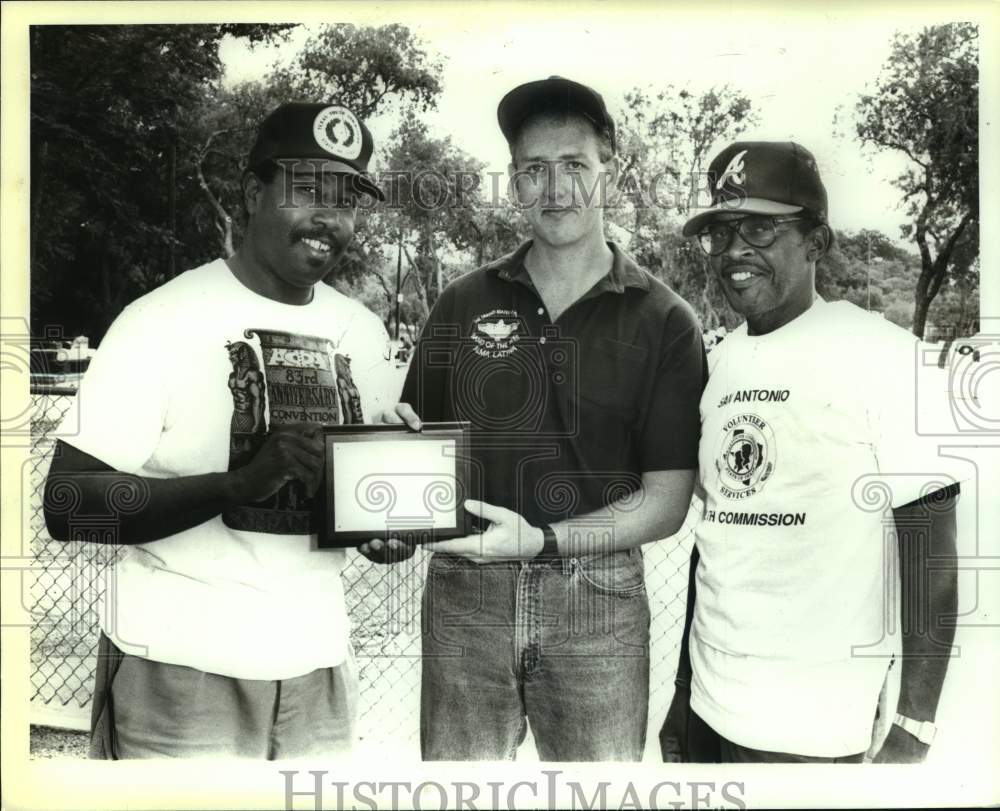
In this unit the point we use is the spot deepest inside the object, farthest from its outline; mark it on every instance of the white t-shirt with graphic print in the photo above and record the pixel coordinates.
(808, 442)
(187, 381)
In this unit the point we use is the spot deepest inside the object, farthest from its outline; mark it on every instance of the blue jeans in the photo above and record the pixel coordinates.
(564, 645)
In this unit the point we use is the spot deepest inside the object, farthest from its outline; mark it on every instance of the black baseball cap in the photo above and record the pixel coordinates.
(556, 94)
(329, 136)
(762, 177)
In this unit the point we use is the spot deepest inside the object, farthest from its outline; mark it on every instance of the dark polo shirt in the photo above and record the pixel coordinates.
(566, 415)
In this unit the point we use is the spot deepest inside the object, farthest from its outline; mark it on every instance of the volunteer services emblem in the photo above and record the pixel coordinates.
(338, 131)
(745, 456)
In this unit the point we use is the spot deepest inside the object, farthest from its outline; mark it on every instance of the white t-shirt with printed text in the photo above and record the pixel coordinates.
(808, 443)
(187, 381)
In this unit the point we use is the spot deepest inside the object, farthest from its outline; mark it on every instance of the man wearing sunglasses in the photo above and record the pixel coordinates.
(807, 449)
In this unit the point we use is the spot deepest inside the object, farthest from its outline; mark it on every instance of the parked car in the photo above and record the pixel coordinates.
(59, 364)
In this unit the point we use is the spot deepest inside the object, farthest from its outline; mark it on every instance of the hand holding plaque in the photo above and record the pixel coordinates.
(291, 452)
(388, 481)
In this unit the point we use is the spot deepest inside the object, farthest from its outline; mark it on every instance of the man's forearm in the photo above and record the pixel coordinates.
(136, 509)
(663, 503)
(929, 595)
(83, 492)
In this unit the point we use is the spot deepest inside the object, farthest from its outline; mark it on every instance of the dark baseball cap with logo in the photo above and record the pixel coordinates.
(554, 94)
(329, 136)
(762, 177)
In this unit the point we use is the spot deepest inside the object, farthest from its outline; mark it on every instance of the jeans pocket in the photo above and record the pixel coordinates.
(446, 562)
(619, 574)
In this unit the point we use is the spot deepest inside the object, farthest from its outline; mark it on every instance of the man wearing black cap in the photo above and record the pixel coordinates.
(196, 445)
(807, 445)
(580, 373)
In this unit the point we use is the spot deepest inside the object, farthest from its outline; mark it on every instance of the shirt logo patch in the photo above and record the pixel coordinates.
(733, 172)
(496, 334)
(745, 456)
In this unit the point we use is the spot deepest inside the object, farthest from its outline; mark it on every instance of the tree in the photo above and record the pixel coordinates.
(955, 312)
(218, 133)
(867, 269)
(107, 107)
(671, 130)
(436, 224)
(926, 106)
(364, 68)
(137, 148)
(367, 68)
(437, 212)
(665, 136)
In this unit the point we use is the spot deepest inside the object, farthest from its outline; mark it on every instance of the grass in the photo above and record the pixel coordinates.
(49, 742)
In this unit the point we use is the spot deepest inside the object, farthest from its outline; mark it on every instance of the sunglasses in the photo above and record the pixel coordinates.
(755, 230)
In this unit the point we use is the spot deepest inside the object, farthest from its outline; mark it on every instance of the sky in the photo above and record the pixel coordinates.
(803, 75)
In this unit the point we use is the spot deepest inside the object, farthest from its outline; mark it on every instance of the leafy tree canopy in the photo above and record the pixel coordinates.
(925, 105)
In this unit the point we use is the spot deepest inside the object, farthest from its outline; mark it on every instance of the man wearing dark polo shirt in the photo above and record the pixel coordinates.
(580, 374)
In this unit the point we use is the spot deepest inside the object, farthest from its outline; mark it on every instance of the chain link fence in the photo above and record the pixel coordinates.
(383, 602)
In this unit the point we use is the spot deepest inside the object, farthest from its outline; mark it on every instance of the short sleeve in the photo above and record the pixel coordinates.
(121, 402)
(672, 426)
(373, 368)
(427, 384)
(910, 462)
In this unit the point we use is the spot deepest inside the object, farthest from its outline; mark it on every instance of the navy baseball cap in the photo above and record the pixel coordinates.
(329, 136)
(762, 177)
(556, 94)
